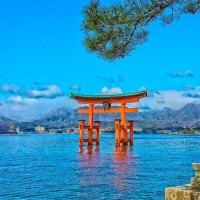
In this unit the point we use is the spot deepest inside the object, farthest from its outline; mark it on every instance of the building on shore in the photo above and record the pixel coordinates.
(39, 129)
(11, 129)
(52, 131)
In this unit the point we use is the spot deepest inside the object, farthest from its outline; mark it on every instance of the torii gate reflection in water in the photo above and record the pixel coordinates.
(121, 125)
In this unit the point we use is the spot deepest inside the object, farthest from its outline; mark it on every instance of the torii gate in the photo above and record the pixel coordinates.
(121, 125)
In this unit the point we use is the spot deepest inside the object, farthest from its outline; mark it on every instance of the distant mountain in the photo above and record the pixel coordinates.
(187, 116)
(5, 123)
(59, 118)
(65, 117)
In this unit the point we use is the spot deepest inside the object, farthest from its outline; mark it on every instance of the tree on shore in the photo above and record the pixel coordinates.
(113, 31)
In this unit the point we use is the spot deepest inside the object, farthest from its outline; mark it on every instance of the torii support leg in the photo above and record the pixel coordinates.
(117, 132)
(131, 128)
(81, 132)
(90, 129)
(97, 127)
(124, 125)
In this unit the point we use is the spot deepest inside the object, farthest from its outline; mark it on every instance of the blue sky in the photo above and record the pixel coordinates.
(41, 49)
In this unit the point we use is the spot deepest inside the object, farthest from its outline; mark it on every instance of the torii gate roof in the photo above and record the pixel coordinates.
(116, 98)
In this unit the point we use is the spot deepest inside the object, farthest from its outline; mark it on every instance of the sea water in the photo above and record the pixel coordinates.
(44, 166)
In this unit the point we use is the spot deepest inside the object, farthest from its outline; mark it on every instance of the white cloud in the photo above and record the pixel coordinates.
(9, 88)
(75, 87)
(41, 101)
(168, 98)
(18, 100)
(107, 91)
(192, 91)
(50, 92)
(29, 108)
(180, 74)
(34, 102)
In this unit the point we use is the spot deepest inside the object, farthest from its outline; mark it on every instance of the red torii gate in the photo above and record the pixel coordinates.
(121, 125)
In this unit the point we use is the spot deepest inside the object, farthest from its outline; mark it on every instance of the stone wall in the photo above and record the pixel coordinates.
(186, 192)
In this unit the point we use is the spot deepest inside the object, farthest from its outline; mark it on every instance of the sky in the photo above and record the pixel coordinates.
(42, 60)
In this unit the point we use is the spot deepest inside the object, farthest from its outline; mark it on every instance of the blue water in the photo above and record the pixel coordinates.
(54, 167)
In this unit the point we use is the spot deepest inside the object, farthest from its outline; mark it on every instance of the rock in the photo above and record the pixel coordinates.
(187, 192)
(195, 182)
(196, 168)
(182, 193)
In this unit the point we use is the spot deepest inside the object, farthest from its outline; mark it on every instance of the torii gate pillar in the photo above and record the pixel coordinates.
(90, 129)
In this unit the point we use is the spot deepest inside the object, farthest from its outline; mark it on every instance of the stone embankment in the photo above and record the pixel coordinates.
(186, 192)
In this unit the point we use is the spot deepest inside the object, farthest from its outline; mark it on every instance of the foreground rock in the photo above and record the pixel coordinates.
(187, 192)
